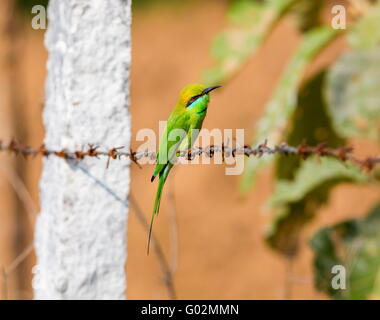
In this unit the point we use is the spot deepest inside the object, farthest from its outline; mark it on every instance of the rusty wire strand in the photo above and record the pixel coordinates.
(165, 267)
(7, 271)
(167, 271)
(303, 151)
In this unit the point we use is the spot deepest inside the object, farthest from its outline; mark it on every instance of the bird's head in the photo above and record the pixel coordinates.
(195, 93)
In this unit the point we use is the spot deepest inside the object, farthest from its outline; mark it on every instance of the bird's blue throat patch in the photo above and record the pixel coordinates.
(199, 106)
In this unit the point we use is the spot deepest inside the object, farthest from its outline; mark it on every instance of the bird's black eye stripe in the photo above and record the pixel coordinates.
(193, 99)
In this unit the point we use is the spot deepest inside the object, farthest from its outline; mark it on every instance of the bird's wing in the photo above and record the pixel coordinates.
(191, 136)
(169, 144)
(195, 125)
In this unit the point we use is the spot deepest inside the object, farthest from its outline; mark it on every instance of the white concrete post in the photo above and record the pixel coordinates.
(80, 237)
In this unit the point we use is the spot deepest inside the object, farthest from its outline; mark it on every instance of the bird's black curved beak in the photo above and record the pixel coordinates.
(209, 89)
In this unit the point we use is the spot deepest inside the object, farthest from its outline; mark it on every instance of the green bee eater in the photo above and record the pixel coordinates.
(182, 129)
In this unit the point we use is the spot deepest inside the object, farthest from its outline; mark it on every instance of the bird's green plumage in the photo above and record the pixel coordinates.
(181, 131)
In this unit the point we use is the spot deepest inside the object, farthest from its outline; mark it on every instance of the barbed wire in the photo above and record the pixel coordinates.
(303, 151)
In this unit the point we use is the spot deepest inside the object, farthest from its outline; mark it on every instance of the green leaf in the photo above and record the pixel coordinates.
(250, 23)
(366, 33)
(354, 244)
(353, 95)
(296, 201)
(284, 101)
(312, 173)
(242, 12)
(309, 124)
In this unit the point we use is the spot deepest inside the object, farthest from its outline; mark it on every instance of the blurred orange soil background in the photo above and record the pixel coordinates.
(221, 251)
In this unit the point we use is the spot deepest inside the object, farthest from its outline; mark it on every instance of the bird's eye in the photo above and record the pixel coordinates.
(192, 100)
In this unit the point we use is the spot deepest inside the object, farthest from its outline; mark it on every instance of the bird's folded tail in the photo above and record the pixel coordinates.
(157, 201)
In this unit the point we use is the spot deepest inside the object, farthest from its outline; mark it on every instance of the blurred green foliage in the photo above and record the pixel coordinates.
(353, 93)
(303, 186)
(283, 103)
(309, 124)
(355, 245)
(26, 5)
(249, 22)
(366, 33)
(338, 104)
(307, 14)
(296, 201)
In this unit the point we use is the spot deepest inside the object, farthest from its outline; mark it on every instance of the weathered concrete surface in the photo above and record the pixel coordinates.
(80, 235)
